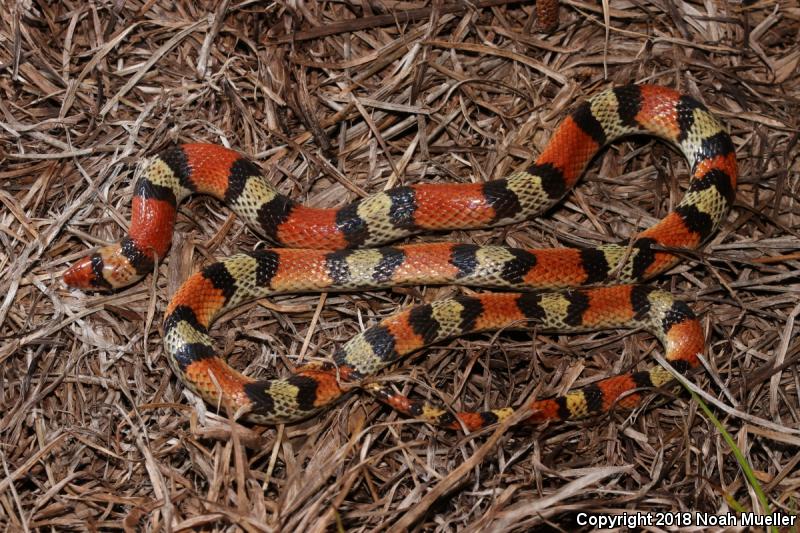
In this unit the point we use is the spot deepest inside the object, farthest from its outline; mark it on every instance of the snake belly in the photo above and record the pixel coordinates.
(333, 249)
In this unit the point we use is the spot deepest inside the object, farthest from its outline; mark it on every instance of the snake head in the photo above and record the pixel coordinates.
(105, 270)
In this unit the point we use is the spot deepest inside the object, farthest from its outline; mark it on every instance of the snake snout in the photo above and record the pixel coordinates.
(82, 275)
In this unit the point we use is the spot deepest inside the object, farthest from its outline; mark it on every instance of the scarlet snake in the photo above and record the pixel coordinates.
(322, 250)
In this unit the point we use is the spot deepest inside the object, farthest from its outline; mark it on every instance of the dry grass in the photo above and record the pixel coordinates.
(97, 433)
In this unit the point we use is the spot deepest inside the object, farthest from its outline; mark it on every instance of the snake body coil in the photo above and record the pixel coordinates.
(324, 249)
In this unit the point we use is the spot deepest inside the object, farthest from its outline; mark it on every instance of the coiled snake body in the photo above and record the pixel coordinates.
(328, 249)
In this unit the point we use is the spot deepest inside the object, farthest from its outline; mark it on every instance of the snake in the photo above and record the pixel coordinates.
(349, 248)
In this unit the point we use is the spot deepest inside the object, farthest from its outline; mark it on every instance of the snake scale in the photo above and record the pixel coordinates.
(337, 250)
